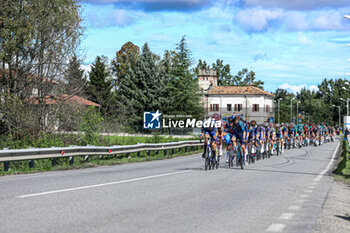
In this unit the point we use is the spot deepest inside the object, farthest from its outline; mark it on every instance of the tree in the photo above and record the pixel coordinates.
(245, 77)
(100, 85)
(223, 73)
(200, 66)
(141, 88)
(183, 87)
(127, 55)
(74, 78)
(36, 40)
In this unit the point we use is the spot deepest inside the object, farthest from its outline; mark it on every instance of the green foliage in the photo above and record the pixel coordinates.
(100, 85)
(223, 73)
(90, 126)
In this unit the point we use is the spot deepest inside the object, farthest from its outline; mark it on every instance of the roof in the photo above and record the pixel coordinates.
(64, 98)
(237, 90)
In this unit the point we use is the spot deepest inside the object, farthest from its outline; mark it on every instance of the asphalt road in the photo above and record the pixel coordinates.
(283, 193)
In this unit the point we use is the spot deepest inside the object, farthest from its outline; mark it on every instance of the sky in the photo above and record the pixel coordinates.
(289, 44)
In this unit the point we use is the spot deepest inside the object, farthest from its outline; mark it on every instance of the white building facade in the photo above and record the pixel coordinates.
(249, 102)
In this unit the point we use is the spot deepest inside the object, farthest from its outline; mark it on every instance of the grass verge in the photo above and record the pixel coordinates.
(44, 165)
(342, 172)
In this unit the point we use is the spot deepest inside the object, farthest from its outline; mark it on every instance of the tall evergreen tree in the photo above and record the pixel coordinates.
(74, 77)
(100, 85)
(141, 88)
(183, 87)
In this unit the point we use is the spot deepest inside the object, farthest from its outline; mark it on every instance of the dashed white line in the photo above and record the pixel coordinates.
(300, 201)
(308, 191)
(275, 227)
(311, 187)
(103, 184)
(286, 216)
(304, 195)
(294, 207)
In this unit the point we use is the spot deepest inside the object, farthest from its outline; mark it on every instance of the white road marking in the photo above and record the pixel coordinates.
(308, 191)
(319, 176)
(276, 227)
(304, 195)
(294, 207)
(286, 216)
(299, 201)
(311, 187)
(103, 184)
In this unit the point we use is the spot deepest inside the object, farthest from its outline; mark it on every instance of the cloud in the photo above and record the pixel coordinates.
(297, 4)
(259, 56)
(156, 5)
(329, 20)
(292, 88)
(258, 19)
(297, 88)
(106, 17)
(313, 88)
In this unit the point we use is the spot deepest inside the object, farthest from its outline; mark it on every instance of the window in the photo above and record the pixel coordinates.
(214, 107)
(238, 107)
(229, 107)
(255, 107)
(267, 108)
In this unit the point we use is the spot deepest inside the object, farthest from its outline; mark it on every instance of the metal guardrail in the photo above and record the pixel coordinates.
(11, 155)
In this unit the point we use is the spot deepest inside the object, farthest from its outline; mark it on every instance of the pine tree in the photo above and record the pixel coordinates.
(100, 85)
(142, 88)
(74, 77)
(183, 87)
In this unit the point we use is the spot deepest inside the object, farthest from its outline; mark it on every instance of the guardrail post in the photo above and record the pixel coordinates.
(148, 153)
(6, 166)
(185, 149)
(172, 151)
(165, 152)
(127, 155)
(101, 156)
(31, 163)
(138, 154)
(71, 160)
(54, 162)
(157, 152)
(86, 158)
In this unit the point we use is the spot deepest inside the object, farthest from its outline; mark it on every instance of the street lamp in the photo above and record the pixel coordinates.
(279, 122)
(274, 110)
(347, 102)
(291, 109)
(339, 113)
(347, 105)
(297, 111)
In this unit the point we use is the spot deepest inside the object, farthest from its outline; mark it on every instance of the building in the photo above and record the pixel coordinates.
(249, 102)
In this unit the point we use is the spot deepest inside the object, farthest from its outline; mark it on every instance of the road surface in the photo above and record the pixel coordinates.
(283, 193)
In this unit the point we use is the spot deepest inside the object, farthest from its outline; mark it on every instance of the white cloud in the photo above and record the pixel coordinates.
(298, 4)
(292, 88)
(313, 88)
(257, 19)
(297, 88)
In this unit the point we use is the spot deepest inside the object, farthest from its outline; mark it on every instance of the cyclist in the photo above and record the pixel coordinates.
(236, 131)
(208, 128)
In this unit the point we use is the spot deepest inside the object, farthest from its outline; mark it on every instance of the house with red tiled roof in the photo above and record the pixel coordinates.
(249, 102)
